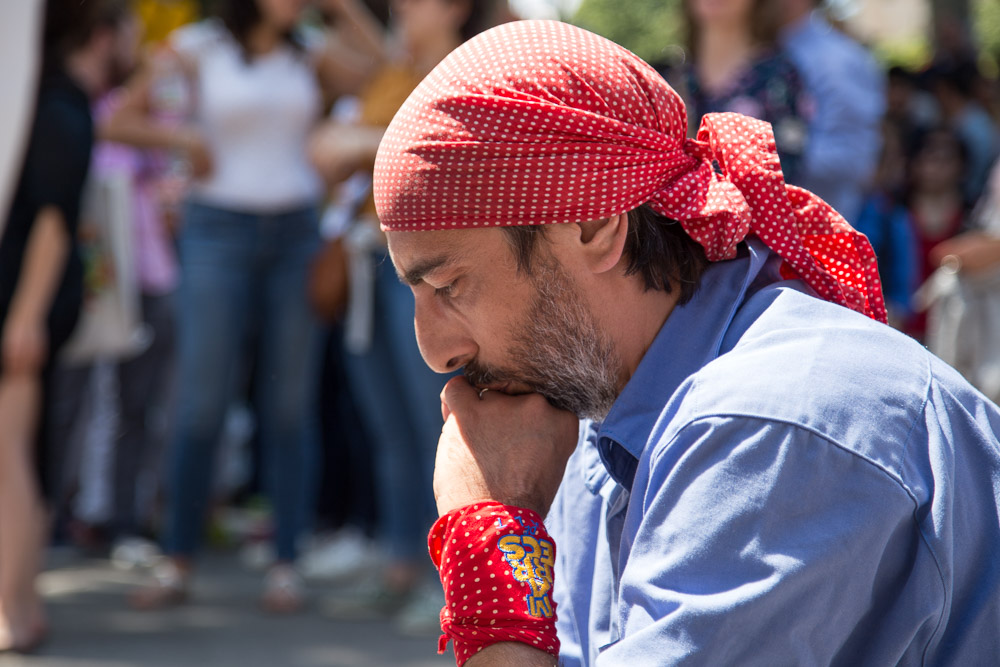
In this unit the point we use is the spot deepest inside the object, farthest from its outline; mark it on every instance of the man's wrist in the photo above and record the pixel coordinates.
(453, 503)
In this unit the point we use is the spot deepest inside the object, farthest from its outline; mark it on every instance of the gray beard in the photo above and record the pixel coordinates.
(561, 353)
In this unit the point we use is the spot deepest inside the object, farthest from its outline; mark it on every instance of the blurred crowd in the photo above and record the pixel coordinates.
(905, 155)
(203, 338)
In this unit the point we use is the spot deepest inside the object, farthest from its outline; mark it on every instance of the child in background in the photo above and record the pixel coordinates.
(143, 380)
(935, 201)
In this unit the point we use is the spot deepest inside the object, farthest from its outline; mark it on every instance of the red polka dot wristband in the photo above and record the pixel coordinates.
(496, 564)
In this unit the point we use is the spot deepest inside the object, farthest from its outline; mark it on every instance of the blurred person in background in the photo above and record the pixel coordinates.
(145, 381)
(935, 202)
(41, 284)
(248, 231)
(397, 394)
(108, 408)
(847, 88)
(343, 547)
(910, 108)
(736, 65)
(963, 296)
(110, 400)
(885, 220)
(953, 86)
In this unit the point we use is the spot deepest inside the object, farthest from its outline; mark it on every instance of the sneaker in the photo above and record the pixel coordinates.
(370, 600)
(347, 554)
(421, 616)
(132, 553)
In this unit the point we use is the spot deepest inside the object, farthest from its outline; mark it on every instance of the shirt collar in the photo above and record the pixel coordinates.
(690, 338)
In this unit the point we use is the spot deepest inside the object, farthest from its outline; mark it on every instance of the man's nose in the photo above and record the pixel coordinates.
(444, 344)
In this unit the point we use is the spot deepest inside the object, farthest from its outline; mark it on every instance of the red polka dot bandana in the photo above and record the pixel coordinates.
(496, 564)
(538, 122)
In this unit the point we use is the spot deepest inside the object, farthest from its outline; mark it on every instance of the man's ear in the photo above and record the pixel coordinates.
(603, 241)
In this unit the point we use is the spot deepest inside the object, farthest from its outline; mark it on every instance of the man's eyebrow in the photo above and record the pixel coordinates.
(415, 274)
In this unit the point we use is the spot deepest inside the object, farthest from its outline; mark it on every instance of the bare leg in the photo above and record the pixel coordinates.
(22, 514)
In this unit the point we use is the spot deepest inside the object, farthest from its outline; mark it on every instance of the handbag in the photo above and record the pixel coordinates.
(110, 325)
(328, 282)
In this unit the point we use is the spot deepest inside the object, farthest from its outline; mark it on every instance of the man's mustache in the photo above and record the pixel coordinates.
(479, 375)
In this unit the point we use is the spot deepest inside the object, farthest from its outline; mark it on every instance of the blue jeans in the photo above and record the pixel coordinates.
(243, 275)
(398, 397)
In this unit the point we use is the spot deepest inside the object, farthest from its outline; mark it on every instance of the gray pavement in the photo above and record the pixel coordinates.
(221, 627)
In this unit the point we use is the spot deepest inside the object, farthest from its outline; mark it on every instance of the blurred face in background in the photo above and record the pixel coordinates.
(938, 165)
(124, 51)
(423, 22)
(282, 15)
(721, 12)
(898, 95)
(891, 174)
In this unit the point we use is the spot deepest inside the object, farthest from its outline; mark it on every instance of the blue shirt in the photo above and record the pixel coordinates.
(781, 482)
(845, 133)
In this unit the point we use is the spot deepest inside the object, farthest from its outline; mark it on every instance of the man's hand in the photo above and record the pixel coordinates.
(511, 449)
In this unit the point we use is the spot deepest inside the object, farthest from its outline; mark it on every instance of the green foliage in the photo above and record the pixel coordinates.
(986, 26)
(648, 28)
(913, 54)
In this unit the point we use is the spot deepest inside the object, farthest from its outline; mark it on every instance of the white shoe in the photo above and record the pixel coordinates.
(348, 553)
(130, 553)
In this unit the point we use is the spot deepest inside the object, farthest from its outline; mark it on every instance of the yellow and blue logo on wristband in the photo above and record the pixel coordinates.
(531, 560)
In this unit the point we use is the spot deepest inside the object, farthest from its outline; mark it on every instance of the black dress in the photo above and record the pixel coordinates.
(53, 173)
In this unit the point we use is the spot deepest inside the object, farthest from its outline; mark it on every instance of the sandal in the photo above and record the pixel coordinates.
(282, 590)
(170, 588)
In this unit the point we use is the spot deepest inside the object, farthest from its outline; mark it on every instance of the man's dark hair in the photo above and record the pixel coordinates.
(658, 249)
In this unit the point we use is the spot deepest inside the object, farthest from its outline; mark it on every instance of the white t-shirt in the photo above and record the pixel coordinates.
(256, 117)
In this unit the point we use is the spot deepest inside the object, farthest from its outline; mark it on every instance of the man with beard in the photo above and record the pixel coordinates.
(765, 473)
